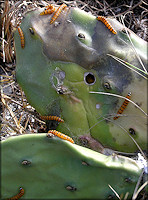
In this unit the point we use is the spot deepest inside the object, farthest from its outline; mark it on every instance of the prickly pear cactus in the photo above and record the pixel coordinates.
(48, 168)
(64, 63)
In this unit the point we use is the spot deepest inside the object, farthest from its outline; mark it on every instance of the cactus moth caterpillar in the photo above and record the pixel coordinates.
(123, 106)
(107, 24)
(57, 13)
(48, 10)
(22, 37)
(61, 135)
(19, 195)
(52, 118)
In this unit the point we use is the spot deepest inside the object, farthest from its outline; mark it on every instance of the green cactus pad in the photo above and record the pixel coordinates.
(64, 61)
(48, 168)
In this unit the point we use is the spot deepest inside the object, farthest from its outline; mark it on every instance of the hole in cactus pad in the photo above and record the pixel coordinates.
(89, 78)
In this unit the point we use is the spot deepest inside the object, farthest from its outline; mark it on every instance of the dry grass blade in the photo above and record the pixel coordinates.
(3, 41)
(139, 190)
(19, 121)
(12, 100)
(126, 196)
(138, 183)
(117, 124)
(9, 84)
(20, 128)
(117, 195)
(7, 34)
(133, 45)
(129, 136)
(6, 76)
(124, 63)
(6, 8)
(23, 107)
(144, 2)
(26, 123)
(9, 125)
(116, 95)
(4, 79)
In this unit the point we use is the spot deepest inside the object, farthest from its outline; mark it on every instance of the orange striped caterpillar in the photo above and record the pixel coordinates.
(124, 105)
(48, 10)
(60, 135)
(107, 24)
(49, 6)
(19, 195)
(52, 118)
(22, 37)
(57, 13)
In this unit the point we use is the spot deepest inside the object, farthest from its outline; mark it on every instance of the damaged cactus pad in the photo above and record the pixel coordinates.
(75, 69)
(48, 168)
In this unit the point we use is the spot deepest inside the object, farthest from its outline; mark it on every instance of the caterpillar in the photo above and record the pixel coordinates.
(50, 6)
(57, 13)
(123, 106)
(52, 118)
(22, 37)
(61, 135)
(19, 195)
(48, 10)
(107, 24)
